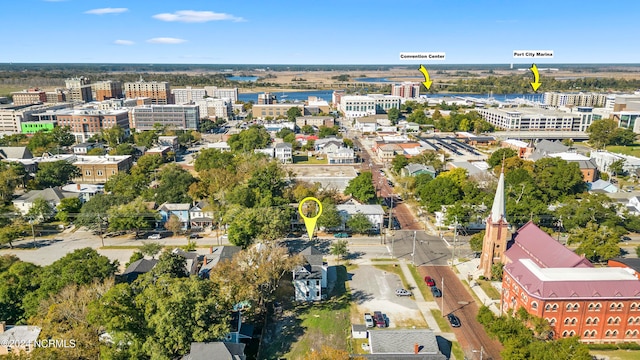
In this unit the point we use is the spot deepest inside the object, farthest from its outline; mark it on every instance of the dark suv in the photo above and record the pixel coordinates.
(453, 320)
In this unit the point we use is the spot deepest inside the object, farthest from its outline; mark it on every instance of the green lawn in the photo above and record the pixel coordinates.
(5, 90)
(616, 354)
(489, 289)
(315, 324)
(305, 160)
(633, 150)
(442, 323)
(456, 349)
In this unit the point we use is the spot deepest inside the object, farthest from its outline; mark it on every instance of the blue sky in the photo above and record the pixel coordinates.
(316, 32)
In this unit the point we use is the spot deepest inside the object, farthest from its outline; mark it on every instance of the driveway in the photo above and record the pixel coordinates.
(373, 289)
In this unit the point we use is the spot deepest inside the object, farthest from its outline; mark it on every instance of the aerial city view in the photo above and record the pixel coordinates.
(319, 180)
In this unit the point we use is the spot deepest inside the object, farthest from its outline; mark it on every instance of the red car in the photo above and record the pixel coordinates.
(429, 281)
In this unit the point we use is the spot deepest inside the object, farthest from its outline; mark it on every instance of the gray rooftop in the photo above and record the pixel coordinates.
(15, 152)
(49, 194)
(19, 334)
(361, 209)
(550, 147)
(215, 351)
(403, 342)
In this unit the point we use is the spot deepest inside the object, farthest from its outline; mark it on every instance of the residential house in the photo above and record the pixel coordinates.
(417, 169)
(634, 205)
(321, 143)
(220, 145)
(216, 255)
(374, 213)
(405, 343)
(310, 278)
(52, 195)
(238, 330)
(521, 148)
(602, 187)
(159, 150)
(83, 148)
(137, 268)
(387, 152)
(341, 156)
(84, 191)
(179, 210)
(474, 168)
(16, 339)
(192, 260)
(603, 159)
(170, 141)
(284, 152)
(200, 215)
(366, 124)
(216, 351)
(316, 121)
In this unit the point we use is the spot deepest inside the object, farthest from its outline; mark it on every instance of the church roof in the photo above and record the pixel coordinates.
(533, 243)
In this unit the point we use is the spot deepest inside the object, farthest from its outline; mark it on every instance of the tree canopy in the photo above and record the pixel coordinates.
(361, 187)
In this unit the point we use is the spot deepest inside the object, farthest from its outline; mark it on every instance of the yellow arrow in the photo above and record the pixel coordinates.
(536, 77)
(427, 82)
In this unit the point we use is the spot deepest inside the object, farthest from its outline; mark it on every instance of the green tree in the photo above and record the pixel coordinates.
(133, 216)
(602, 132)
(330, 217)
(68, 209)
(41, 210)
(137, 255)
(55, 173)
(146, 138)
(623, 136)
(62, 136)
(617, 167)
(268, 183)
(293, 113)
(79, 267)
(497, 156)
(324, 131)
(151, 249)
(398, 163)
(123, 149)
(496, 271)
(214, 159)
(127, 186)
(556, 177)
(393, 115)
(597, 243)
(307, 130)
(9, 179)
(147, 164)
(284, 132)
(97, 151)
(361, 187)
(173, 224)
(16, 281)
(475, 242)
(255, 137)
(93, 214)
(173, 185)
(10, 232)
(171, 264)
(114, 135)
(41, 142)
(340, 249)
(359, 223)
(439, 191)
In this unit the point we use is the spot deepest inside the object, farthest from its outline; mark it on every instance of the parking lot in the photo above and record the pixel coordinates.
(373, 289)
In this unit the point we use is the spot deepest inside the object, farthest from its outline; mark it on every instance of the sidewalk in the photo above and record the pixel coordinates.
(424, 306)
(470, 268)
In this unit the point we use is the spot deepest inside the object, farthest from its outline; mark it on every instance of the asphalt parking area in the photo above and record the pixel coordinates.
(373, 289)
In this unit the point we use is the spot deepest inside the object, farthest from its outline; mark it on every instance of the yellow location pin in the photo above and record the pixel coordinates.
(310, 222)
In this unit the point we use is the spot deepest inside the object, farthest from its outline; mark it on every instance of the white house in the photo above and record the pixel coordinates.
(366, 124)
(310, 278)
(284, 152)
(341, 156)
(53, 196)
(374, 213)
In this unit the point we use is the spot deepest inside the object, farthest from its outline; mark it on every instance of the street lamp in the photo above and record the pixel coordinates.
(481, 351)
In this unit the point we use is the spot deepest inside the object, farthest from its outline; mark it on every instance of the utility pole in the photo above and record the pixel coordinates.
(455, 237)
(100, 229)
(413, 253)
(442, 297)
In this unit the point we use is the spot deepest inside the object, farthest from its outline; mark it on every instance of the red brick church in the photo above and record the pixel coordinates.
(598, 304)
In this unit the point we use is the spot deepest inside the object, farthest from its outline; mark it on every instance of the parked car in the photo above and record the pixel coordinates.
(341, 235)
(403, 292)
(429, 281)
(436, 292)
(154, 236)
(379, 319)
(453, 320)
(194, 236)
(368, 320)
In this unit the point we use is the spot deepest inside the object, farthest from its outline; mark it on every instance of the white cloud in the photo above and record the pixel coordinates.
(103, 11)
(192, 16)
(123, 42)
(166, 40)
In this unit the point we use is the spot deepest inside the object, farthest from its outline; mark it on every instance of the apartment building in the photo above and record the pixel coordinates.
(406, 90)
(80, 94)
(179, 117)
(99, 169)
(557, 99)
(526, 119)
(262, 111)
(188, 95)
(215, 108)
(222, 93)
(316, 121)
(29, 97)
(105, 90)
(86, 123)
(158, 92)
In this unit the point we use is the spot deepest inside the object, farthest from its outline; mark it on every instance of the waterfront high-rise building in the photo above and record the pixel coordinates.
(406, 90)
(188, 95)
